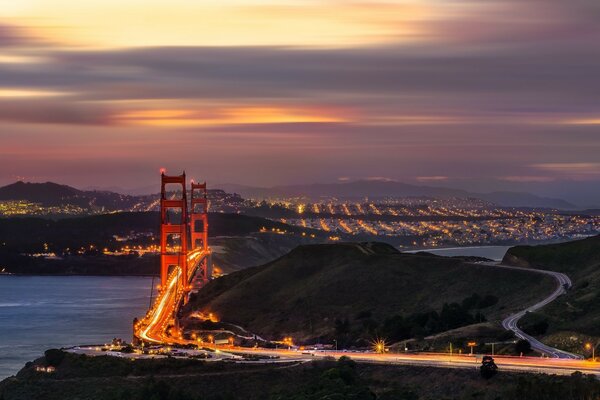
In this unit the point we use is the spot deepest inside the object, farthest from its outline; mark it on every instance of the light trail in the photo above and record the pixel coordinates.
(153, 326)
(158, 313)
(510, 363)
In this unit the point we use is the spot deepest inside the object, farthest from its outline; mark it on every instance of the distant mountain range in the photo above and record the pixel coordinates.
(375, 189)
(53, 194)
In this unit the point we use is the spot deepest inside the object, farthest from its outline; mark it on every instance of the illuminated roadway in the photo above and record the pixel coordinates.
(153, 329)
(561, 366)
(510, 323)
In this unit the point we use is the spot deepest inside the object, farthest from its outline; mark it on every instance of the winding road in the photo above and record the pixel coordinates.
(510, 322)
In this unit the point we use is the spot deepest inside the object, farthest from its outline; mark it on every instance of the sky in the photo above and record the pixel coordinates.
(481, 95)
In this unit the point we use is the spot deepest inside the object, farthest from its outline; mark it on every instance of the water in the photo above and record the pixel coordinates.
(42, 312)
(492, 252)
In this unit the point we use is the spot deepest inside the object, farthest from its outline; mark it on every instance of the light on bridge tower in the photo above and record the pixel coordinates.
(168, 229)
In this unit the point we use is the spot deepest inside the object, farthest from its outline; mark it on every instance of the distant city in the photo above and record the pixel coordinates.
(407, 222)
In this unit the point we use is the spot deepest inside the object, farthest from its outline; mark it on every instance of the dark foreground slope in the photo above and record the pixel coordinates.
(337, 289)
(579, 309)
(111, 378)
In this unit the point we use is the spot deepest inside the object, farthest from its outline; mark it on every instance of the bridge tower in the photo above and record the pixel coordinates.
(199, 229)
(177, 230)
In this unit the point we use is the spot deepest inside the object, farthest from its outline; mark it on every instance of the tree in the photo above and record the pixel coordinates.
(54, 357)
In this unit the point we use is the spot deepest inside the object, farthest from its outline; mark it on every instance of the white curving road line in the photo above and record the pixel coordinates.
(510, 322)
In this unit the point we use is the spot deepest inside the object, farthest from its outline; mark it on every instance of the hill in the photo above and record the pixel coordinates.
(382, 188)
(53, 194)
(356, 290)
(578, 310)
(237, 239)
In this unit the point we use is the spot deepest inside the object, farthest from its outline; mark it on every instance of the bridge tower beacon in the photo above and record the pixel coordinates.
(168, 229)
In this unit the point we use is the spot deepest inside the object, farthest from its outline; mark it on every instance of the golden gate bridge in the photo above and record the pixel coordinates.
(185, 258)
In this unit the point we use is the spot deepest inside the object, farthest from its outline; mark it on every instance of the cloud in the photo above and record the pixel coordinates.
(572, 170)
(15, 35)
(52, 111)
(487, 89)
(379, 179)
(435, 178)
(387, 86)
(519, 178)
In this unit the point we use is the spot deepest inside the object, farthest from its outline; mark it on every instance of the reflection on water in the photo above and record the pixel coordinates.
(41, 312)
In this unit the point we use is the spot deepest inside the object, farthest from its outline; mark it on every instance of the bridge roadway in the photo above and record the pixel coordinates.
(153, 327)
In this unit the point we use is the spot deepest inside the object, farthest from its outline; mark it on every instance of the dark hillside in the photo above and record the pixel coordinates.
(315, 289)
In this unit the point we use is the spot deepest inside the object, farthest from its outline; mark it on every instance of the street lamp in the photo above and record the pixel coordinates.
(471, 345)
(588, 347)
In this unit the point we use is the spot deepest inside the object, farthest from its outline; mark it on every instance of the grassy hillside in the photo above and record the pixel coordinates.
(337, 289)
(111, 378)
(578, 312)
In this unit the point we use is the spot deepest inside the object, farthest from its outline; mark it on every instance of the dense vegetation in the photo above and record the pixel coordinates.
(579, 309)
(109, 378)
(451, 316)
(360, 290)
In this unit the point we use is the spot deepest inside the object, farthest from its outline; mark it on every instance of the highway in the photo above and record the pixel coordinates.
(510, 322)
(559, 366)
(153, 327)
(562, 366)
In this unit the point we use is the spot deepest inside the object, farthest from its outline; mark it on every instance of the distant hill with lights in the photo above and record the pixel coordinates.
(78, 243)
(53, 194)
(332, 290)
(56, 200)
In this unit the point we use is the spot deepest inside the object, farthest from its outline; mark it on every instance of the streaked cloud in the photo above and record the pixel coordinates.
(527, 178)
(433, 91)
(210, 116)
(18, 93)
(435, 178)
(573, 170)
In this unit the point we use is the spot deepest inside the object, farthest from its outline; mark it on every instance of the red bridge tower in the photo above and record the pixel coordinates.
(175, 231)
(199, 229)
